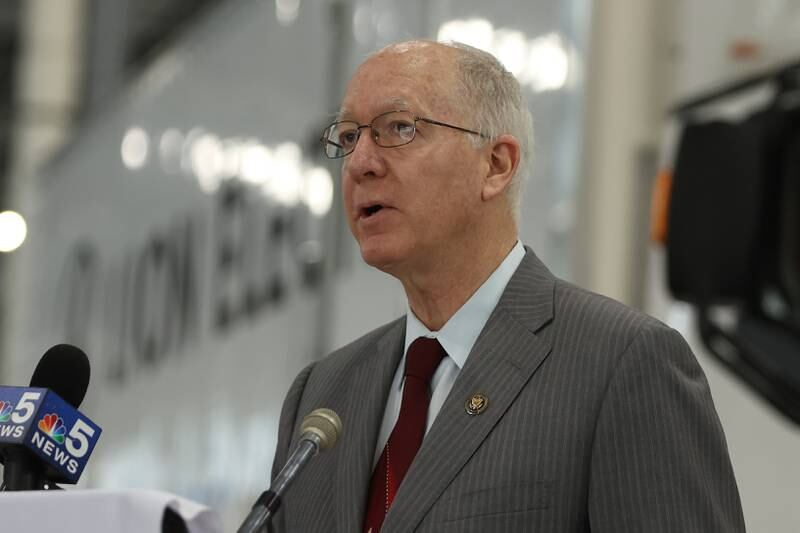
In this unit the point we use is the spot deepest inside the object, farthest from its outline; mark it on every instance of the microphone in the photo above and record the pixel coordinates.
(320, 430)
(44, 439)
(64, 369)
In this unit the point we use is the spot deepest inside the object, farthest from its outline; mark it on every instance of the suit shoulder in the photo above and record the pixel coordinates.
(598, 317)
(575, 298)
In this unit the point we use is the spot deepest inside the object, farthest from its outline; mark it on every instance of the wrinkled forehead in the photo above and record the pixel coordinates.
(420, 79)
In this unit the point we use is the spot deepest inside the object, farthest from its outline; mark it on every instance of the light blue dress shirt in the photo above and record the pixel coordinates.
(457, 336)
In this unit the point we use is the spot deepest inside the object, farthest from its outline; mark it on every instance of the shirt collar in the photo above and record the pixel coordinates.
(459, 334)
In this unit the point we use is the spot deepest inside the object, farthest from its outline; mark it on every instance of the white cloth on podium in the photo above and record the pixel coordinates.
(100, 511)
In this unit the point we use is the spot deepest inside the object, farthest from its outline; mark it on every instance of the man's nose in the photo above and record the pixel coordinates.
(367, 158)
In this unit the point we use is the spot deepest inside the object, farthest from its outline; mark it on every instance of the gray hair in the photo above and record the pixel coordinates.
(496, 106)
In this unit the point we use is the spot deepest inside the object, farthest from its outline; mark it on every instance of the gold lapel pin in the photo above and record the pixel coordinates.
(477, 404)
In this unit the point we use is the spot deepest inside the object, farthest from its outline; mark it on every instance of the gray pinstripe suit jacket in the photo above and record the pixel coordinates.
(599, 419)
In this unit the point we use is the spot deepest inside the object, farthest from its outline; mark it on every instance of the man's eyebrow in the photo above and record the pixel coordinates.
(343, 112)
(399, 103)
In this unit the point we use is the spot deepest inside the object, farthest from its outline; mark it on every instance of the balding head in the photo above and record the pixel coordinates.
(431, 65)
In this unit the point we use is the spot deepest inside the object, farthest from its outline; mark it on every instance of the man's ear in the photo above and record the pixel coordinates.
(503, 154)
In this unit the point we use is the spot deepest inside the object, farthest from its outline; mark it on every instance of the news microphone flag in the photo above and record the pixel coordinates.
(40, 421)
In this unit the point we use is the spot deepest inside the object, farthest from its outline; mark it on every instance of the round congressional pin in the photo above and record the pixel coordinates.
(476, 404)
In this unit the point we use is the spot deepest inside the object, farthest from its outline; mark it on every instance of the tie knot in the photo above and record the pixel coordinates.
(424, 356)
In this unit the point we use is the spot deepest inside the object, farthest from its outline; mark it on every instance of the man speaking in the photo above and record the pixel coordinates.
(506, 399)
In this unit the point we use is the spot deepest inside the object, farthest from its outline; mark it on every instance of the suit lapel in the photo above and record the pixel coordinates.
(505, 356)
(366, 394)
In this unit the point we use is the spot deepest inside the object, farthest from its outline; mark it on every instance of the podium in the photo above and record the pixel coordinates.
(104, 511)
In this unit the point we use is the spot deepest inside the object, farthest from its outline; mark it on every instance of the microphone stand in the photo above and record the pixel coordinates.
(22, 471)
(270, 500)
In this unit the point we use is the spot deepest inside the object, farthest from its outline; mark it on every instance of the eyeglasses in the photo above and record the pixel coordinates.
(389, 130)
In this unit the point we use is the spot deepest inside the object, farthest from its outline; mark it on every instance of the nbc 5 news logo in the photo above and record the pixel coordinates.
(9, 414)
(53, 438)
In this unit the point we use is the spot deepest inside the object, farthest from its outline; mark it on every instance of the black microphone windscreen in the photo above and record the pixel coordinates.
(64, 369)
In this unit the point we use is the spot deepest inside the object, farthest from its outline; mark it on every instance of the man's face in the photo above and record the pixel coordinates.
(429, 191)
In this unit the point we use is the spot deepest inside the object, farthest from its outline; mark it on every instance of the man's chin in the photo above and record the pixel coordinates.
(379, 261)
(382, 258)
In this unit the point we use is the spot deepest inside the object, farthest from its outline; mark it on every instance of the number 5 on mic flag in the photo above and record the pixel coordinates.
(40, 421)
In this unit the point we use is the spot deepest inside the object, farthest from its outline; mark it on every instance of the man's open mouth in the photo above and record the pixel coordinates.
(370, 210)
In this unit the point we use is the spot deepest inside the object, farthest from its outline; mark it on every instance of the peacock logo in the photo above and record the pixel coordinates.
(52, 426)
(5, 411)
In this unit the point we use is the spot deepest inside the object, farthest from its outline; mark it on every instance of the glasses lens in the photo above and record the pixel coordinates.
(340, 138)
(393, 129)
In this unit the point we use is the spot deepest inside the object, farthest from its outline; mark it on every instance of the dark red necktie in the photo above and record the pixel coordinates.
(422, 359)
